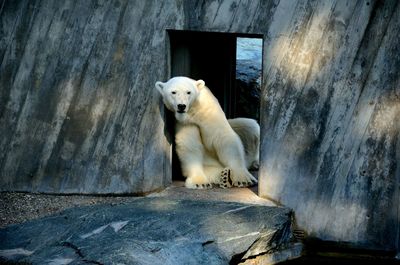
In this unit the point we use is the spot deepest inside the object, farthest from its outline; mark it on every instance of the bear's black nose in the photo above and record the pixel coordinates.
(181, 107)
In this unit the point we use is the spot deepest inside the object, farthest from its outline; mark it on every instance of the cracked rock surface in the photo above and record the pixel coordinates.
(149, 231)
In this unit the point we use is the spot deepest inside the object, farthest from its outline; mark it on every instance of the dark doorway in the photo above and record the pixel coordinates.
(207, 56)
(212, 57)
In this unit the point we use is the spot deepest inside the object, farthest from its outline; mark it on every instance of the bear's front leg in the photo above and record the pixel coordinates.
(190, 150)
(231, 153)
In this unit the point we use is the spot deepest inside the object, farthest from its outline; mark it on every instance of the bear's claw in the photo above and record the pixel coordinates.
(203, 186)
(243, 184)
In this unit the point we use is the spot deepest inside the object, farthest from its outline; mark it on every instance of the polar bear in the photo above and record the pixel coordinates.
(211, 149)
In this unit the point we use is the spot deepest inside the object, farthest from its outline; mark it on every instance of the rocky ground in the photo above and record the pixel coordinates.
(19, 207)
(214, 226)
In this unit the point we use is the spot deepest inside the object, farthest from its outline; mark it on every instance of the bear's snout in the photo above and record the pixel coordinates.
(181, 108)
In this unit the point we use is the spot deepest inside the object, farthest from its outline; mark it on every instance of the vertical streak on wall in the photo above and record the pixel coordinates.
(397, 187)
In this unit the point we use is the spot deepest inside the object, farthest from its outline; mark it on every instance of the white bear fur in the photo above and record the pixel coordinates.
(206, 142)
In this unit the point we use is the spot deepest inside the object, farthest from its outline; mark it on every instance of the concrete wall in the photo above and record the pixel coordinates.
(79, 113)
(78, 108)
(331, 119)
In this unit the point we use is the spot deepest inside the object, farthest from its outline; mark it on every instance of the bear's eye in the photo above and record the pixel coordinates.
(188, 92)
(173, 92)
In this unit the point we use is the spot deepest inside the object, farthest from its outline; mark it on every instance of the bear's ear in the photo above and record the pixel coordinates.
(160, 87)
(200, 84)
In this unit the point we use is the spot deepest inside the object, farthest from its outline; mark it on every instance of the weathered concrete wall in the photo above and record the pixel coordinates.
(78, 112)
(331, 118)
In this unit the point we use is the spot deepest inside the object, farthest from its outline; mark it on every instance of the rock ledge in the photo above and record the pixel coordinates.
(153, 230)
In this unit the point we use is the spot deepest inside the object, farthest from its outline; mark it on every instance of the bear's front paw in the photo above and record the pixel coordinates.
(197, 183)
(226, 181)
(244, 179)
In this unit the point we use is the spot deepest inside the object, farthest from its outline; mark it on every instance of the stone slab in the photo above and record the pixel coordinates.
(150, 231)
(242, 195)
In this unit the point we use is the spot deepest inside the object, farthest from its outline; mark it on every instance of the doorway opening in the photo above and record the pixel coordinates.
(229, 63)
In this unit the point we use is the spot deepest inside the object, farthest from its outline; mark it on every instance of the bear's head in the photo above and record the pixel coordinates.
(179, 93)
